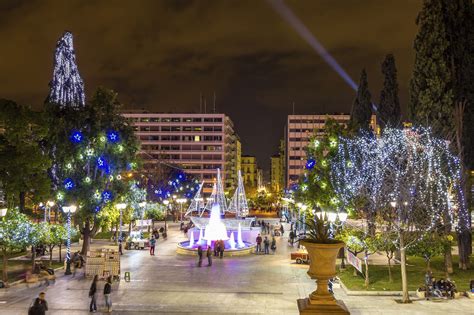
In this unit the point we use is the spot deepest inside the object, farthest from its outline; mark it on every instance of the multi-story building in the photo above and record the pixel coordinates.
(299, 129)
(197, 143)
(249, 170)
(275, 173)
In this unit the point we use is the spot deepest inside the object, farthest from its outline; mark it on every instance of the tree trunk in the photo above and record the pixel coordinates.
(465, 249)
(390, 279)
(51, 247)
(403, 268)
(22, 197)
(60, 247)
(366, 260)
(5, 266)
(448, 262)
(33, 256)
(428, 265)
(86, 237)
(130, 228)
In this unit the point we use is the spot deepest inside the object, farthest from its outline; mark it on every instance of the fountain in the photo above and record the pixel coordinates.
(217, 229)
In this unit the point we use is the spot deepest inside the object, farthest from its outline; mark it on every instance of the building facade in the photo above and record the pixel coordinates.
(197, 143)
(299, 129)
(249, 170)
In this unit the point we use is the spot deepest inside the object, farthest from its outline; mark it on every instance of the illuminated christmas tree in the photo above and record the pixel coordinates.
(67, 87)
(238, 203)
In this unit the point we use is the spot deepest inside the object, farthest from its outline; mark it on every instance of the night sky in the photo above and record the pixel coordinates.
(159, 55)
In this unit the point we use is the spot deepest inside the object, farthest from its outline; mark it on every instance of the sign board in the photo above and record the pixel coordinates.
(354, 261)
(143, 222)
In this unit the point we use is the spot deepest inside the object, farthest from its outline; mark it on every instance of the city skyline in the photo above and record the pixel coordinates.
(256, 64)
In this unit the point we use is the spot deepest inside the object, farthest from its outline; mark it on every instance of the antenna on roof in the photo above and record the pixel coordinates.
(200, 102)
(214, 103)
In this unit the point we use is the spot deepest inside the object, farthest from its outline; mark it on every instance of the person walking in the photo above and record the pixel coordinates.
(209, 256)
(152, 246)
(259, 244)
(107, 294)
(40, 305)
(200, 256)
(282, 230)
(93, 295)
(273, 245)
(120, 246)
(266, 243)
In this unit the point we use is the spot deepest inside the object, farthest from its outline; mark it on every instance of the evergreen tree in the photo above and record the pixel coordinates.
(389, 113)
(23, 163)
(431, 94)
(362, 107)
(459, 23)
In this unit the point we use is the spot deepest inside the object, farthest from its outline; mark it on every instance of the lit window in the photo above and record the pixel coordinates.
(197, 138)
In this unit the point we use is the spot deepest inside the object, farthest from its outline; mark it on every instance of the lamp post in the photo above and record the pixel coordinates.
(181, 201)
(121, 206)
(142, 205)
(333, 218)
(166, 202)
(68, 210)
(50, 204)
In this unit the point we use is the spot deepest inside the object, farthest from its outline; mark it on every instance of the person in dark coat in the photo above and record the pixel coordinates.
(107, 293)
(93, 294)
(273, 246)
(40, 306)
(282, 230)
(266, 244)
(209, 256)
(200, 256)
(221, 249)
(259, 244)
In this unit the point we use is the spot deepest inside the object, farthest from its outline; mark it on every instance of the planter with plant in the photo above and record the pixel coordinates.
(322, 249)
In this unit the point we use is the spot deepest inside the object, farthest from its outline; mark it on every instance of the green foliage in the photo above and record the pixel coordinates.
(362, 107)
(79, 161)
(356, 240)
(315, 188)
(16, 232)
(318, 230)
(429, 246)
(389, 113)
(155, 212)
(56, 234)
(431, 94)
(23, 164)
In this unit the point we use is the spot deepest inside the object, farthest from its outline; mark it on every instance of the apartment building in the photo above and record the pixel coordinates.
(198, 143)
(299, 129)
(249, 170)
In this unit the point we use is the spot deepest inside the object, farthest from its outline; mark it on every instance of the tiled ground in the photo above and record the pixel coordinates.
(172, 284)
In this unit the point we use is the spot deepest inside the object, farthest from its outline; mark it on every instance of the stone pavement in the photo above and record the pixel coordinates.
(172, 284)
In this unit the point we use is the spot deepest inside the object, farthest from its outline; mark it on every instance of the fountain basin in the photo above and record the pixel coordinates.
(184, 249)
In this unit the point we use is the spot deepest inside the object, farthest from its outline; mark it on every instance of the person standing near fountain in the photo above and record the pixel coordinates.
(209, 256)
(259, 244)
(266, 243)
(200, 256)
(221, 248)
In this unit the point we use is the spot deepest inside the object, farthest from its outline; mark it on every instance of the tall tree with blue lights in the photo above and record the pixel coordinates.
(91, 144)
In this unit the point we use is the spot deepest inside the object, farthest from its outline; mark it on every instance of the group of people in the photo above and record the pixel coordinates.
(93, 292)
(439, 288)
(266, 245)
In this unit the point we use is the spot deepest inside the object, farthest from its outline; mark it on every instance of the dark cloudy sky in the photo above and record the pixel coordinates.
(160, 55)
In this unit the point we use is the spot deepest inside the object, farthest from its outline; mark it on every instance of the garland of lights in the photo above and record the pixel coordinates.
(405, 167)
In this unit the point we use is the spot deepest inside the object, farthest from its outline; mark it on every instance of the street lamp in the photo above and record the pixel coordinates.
(121, 206)
(142, 205)
(166, 202)
(68, 210)
(181, 201)
(49, 205)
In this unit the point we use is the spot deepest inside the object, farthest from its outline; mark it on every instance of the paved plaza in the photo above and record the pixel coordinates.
(172, 284)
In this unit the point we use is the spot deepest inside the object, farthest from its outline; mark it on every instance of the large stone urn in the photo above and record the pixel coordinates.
(322, 268)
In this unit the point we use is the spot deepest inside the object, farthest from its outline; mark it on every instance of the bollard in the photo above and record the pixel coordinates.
(127, 276)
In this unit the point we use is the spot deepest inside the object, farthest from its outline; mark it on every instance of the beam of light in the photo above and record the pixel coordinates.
(285, 12)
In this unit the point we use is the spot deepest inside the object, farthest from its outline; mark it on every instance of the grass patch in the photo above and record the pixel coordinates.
(416, 268)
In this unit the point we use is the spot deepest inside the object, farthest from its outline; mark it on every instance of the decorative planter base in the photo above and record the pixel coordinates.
(337, 307)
